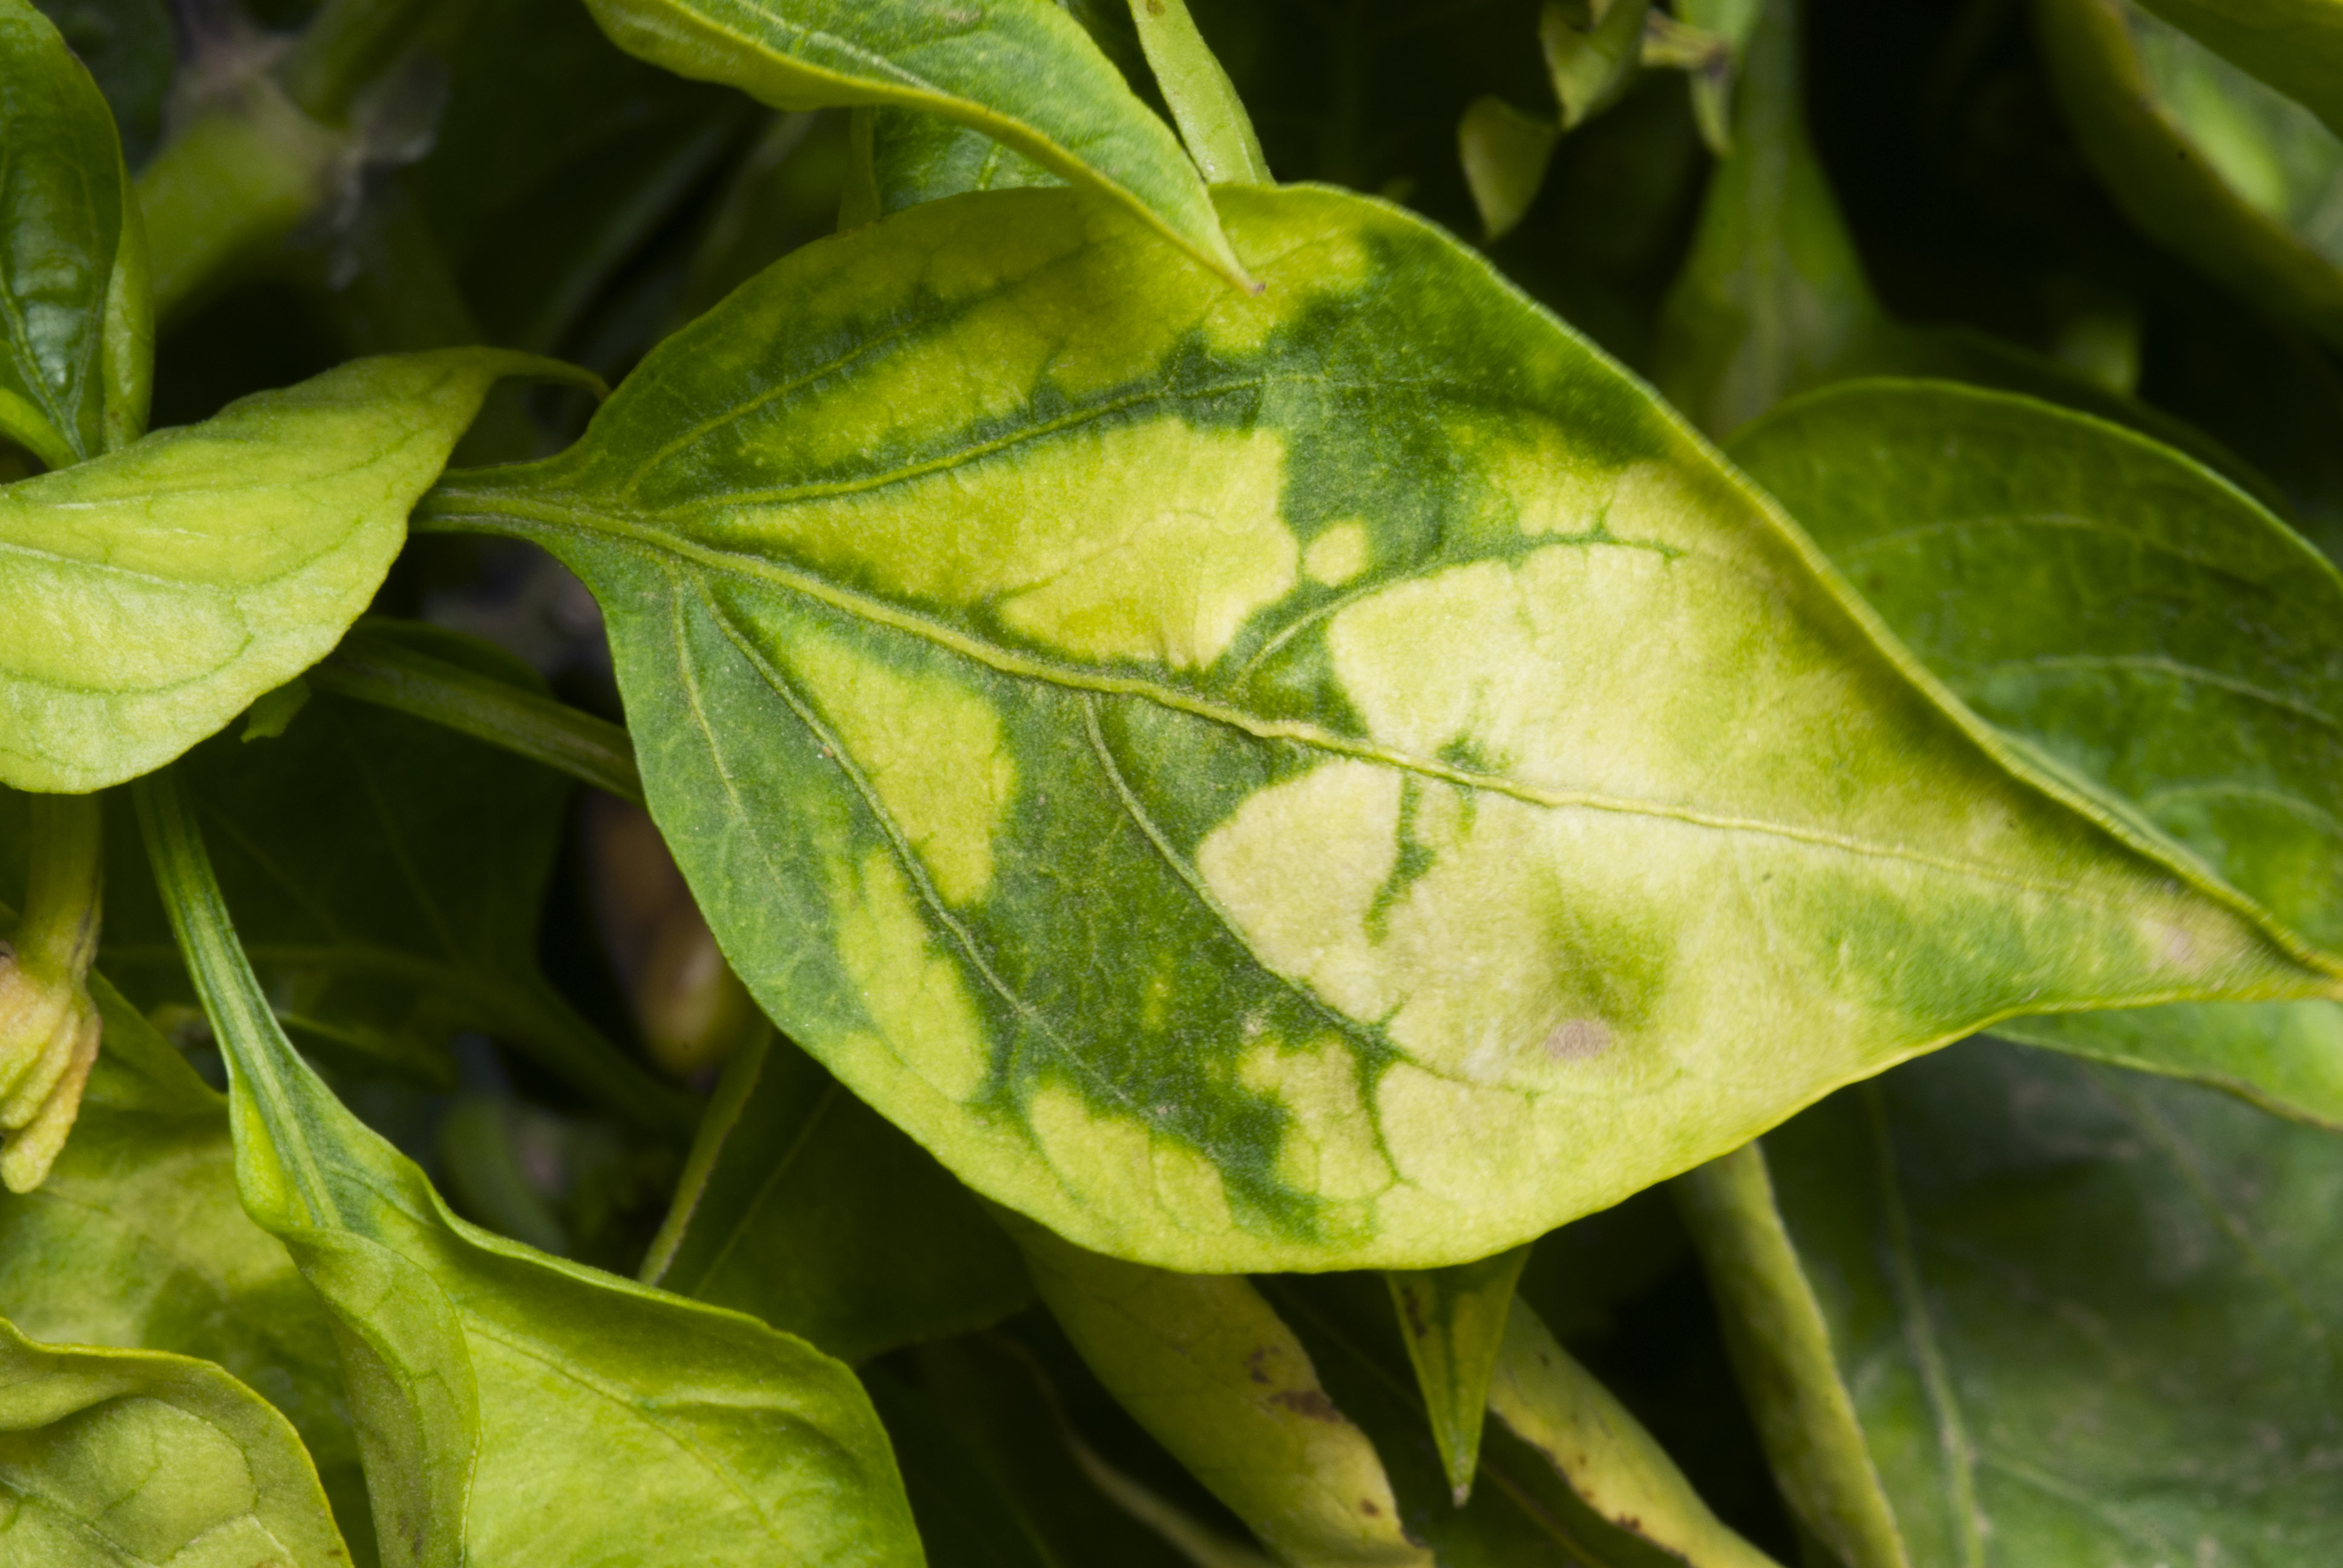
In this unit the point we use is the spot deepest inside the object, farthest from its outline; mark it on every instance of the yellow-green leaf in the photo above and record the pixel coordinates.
(488, 1380)
(1022, 72)
(148, 596)
(1453, 1321)
(110, 1457)
(1025, 645)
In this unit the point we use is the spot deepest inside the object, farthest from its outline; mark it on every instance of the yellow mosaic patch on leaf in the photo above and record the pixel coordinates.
(931, 747)
(1337, 555)
(912, 992)
(1329, 1149)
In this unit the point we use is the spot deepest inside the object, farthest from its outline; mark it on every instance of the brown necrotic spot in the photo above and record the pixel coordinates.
(1310, 1402)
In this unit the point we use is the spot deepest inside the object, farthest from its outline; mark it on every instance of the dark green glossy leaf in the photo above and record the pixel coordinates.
(130, 47)
(802, 1206)
(390, 874)
(148, 596)
(137, 1240)
(1208, 1367)
(997, 606)
(479, 1367)
(2085, 1316)
(76, 333)
(1453, 1321)
(2131, 618)
(1022, 72)
(115, 1457)
(2217, 166)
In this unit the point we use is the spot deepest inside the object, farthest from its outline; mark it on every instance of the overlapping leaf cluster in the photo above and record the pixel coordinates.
(1222, 835)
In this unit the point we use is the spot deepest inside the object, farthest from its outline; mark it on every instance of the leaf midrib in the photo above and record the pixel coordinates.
(544, 518)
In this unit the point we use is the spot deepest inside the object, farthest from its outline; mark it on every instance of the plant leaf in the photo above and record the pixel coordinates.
(2083, 589)
(113, 1456)
(2083, 1315)
(1504, 152)
(1602, 1453)
(391, 874)
(804, 1207)
(1208, 1367)
(137, 1240)
(149, 595)
(2295, 45)
(1204, 102)
(1591, 57)
(1781, 1348)
(1022, 72)
(2286, 1057)
(919, 156)
(1453, 1321)
(2214, 164)
(481, 1371)
(77, 335)
(1089, 691)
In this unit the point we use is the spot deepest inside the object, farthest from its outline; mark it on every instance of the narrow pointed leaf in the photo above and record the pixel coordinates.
(113, 1456)
(1206, 1365)
(2085, 588)
(1453, 1321)
(2213, 163)
(148, 596)
(477, 1367)
(390, 874)
(1051, 629)
(76, 337)
(805, 1208)
(1602, 1453)
(1022, 72)
(137, 1240)
(2085, 1316)
(1202, 100)
(1593, 50)
(1780, 1344)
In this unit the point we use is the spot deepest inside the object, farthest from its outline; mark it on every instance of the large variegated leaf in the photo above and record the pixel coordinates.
(1320, 779)
(2141, 624)
(1022, 72)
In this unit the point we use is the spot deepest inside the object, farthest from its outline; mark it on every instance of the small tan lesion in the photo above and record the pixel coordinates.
(1578, 1040)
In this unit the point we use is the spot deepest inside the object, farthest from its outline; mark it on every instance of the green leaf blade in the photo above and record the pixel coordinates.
(1453, 1321)
(150, 595)
(478, 1366)
(109, 1457)
(1022, 72)
(904, 708)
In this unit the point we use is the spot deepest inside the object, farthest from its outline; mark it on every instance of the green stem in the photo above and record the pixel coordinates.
(376, 668)
(30, 429)
(59, 930)
(1203, 101)
(261, 1061)
(346, 47)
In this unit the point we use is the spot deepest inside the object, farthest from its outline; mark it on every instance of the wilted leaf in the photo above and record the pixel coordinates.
(2132, 619)
(477, 1367)
(1207, 1366)
(1052, 629)
(76, 333)
(116, 1456)
(1022, 72)
(802, 1206)
(151, 594)
(2212, 162)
